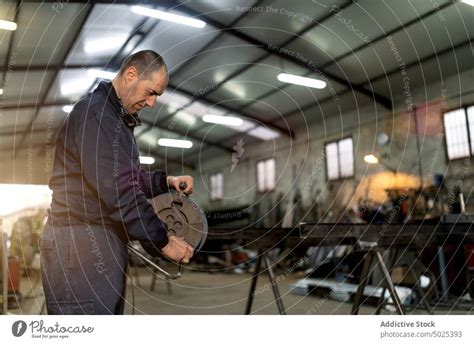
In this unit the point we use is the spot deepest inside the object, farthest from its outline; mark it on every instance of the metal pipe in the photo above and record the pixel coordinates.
(156, 266)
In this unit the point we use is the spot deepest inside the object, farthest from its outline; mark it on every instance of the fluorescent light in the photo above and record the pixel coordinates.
(67, 108)
(226, 120)
(101, 74)
(186, 117)
(75, 87)
(371, 159)
(8, 25)
(469, 2)
(263, 133)
(236, 89)
(301, 81)
(175, 143)
(246, 126)
(147, 160)
(1, 91)
(146, 11)
(174, 99)
(104, 44)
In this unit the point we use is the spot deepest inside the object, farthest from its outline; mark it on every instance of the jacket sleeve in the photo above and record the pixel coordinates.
(105, 152)
(153, 183)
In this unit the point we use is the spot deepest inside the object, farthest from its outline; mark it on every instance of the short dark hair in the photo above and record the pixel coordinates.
(146, 62)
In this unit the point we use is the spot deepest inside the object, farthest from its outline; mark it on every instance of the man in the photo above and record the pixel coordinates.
(100, 194)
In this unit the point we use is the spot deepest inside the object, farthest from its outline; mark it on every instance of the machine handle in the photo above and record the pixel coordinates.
(183, 186)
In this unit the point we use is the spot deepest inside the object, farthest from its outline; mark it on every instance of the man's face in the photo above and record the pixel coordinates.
(140, 93)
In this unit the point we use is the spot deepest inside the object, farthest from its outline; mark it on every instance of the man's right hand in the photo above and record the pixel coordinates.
(178, 250)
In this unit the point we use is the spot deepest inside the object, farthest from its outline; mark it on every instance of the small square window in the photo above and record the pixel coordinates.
(217, 185)
(459, 126)
(266, 175)
(340, 159)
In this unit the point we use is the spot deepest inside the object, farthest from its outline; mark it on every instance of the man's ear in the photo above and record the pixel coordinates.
(130, 75)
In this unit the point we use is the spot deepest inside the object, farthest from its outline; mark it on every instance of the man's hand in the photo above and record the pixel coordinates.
(173, 182)
(178, 250)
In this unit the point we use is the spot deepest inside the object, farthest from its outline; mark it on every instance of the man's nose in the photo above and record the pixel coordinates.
(151, 101)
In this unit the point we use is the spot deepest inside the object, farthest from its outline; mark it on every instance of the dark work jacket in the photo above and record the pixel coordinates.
(97, 178)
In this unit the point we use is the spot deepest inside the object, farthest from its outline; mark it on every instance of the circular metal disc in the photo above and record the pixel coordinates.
(182, 216)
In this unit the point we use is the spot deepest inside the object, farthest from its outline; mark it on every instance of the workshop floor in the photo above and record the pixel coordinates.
(212, 293)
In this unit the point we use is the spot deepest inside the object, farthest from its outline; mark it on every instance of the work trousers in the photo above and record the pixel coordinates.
(83, 270)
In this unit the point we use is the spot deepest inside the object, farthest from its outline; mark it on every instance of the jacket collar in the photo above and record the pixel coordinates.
(131, 120)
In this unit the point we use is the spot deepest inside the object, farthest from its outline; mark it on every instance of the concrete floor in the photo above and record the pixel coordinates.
(212, 293)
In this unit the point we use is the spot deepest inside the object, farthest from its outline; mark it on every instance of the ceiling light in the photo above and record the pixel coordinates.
(67, 108)
(104, 44)
(146, 11)
(246, 126)
(8, 25)
(263, 133)
(147, 160)
(186, 117)
(236, 89)
(1, 91)
(102, 74)
(300, 80)
(469, 2)
(76, 86)
(226, 120)
(371, 159)
(174, 99)
(175, 143)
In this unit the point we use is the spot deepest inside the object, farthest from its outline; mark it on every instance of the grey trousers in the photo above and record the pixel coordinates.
(83, 270)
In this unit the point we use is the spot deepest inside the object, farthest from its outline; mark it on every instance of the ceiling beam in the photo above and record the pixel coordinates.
(391, 32)
(115, 61)
(293, 59)
(270, 51)
(202, 95)
(351, 52)
(288, 41)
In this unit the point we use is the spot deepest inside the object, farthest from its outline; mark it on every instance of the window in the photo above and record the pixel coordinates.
(217, 186)
(266, 175)
(339, 159)
(459, 128)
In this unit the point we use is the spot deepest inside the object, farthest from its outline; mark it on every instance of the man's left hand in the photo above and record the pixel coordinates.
(173, 182)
